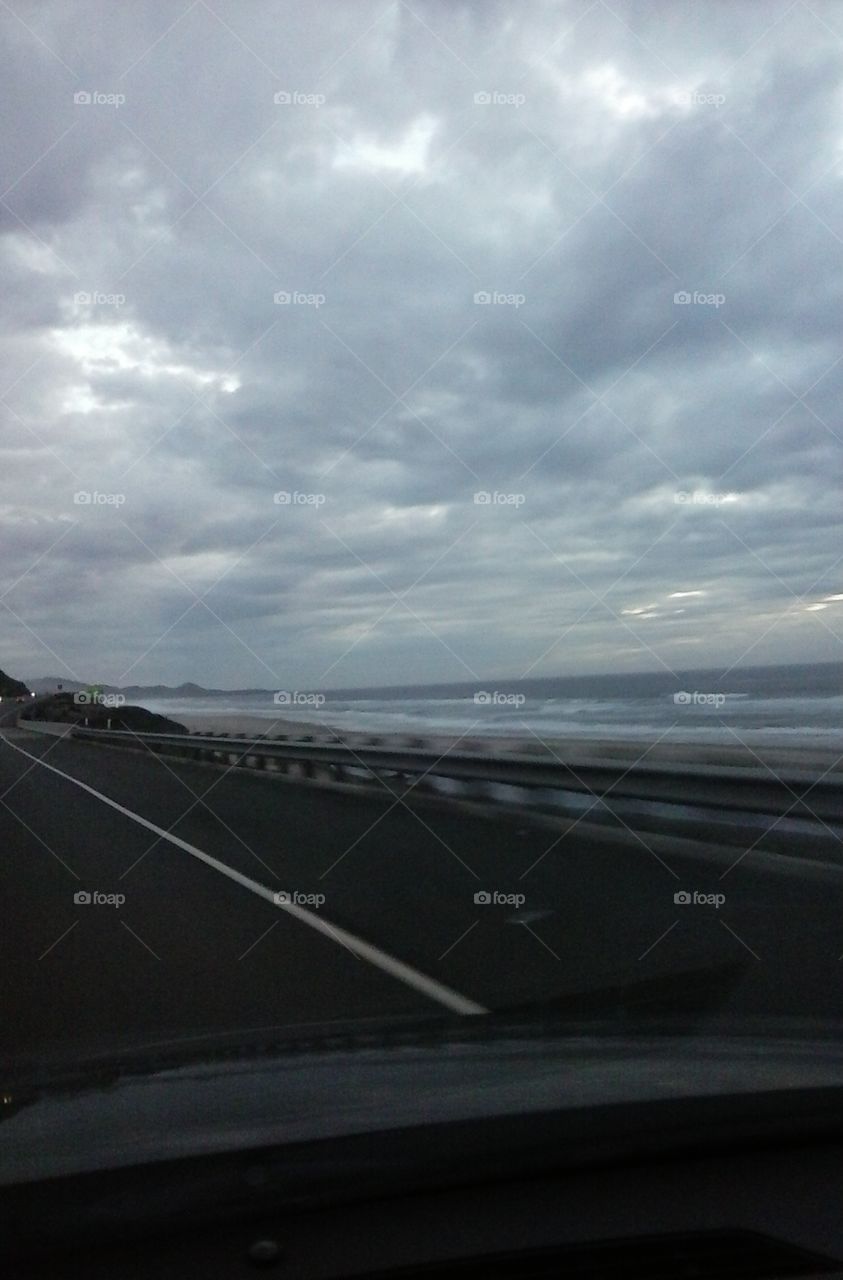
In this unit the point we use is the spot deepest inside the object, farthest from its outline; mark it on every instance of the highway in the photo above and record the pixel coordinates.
(187, 938)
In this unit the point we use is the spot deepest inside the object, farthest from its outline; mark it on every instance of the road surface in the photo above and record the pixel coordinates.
(187, 938)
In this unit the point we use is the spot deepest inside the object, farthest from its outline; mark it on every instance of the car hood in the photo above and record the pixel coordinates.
(224, 1096)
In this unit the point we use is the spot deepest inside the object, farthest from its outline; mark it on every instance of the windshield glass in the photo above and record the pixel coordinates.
(422, 586)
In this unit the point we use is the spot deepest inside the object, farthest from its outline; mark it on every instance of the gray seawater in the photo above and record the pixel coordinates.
(793, 704)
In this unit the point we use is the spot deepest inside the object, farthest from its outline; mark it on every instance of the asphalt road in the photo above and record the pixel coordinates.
(196, 944)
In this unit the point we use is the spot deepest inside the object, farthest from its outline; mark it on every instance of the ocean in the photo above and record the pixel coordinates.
(792, 703)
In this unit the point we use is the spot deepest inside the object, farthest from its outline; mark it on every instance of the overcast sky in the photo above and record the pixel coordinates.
(381, 258)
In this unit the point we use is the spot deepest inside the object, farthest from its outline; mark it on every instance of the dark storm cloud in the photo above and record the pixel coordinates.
(445, 263)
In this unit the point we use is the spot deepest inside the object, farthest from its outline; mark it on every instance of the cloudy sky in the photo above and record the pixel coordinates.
(368, 342)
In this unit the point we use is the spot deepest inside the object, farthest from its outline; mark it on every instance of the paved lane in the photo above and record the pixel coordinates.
(191, 950)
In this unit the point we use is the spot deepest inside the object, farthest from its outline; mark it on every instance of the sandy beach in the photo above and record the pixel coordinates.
(277, 726)
(669, 750)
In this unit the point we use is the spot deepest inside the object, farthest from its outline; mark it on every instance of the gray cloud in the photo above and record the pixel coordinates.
(633, 446)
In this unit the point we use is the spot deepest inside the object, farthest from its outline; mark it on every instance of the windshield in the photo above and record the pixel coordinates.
(422, 586)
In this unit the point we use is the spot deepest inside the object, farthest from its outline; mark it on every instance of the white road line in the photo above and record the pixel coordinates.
(380, 959)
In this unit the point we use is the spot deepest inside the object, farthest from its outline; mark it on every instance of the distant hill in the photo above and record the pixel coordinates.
(10, 688)
(50, 684)
(61, 708)
(187, 690)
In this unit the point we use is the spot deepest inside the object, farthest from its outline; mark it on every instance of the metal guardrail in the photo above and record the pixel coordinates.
(795, 793)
